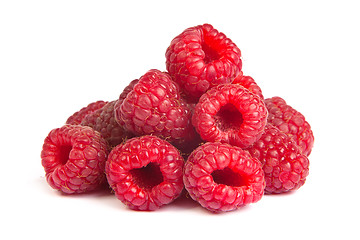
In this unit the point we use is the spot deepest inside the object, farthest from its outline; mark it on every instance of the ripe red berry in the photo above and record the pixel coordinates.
(285, 167)
(78, 116)
(154, 107)
(231, 114)
(248, 83)
(291, 122)
(103, 121)
(222, 177)
(202, 57)
(145, 172)
(73, 157)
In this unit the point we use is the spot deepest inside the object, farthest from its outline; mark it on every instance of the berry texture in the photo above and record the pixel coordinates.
(231, 114)
(201, 57)
(291, 122)
(126, 91)
(284, 166)
(154, 107)
(222, 177)
(73, 157)
(103, 121)
(248, 83)
(78, 116)
(145, 172)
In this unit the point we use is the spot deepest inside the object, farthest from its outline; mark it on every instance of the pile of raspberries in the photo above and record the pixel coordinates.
(202, 129)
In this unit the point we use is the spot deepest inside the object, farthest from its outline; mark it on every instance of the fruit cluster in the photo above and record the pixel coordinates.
(202, 128)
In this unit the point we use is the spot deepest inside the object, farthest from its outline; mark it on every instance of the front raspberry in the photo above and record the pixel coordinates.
(201, 57)
(291, 122)
(145, 172)
(222, 177)
(73, 157)
(231, 114)
(103, 121)
(285, 167)
(154, 107)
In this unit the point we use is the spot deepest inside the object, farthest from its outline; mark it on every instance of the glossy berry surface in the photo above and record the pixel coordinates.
(248, 83)
(145, 172)
(154, 107)
(201, 57)
(231, 114)
(73, 158)
(285, 167)
(291, 122)
(222, 177)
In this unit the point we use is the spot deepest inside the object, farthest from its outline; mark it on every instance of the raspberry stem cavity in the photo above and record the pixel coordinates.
(228, 117)
(147, 177)
(228, 177)
(63, 154)
(210, 53)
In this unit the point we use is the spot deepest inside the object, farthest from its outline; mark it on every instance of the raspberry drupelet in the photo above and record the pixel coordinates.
(145, 172)
(248, 83)
(201, 57)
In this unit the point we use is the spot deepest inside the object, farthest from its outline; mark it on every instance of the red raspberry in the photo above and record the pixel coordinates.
(222, 177)
(78, 116)
(73, 157)
(202, 57)
(154, 107)
(145, 172)
(291, 122)
(284, 166)
(231, 114)
(103, 121)
(248, 83)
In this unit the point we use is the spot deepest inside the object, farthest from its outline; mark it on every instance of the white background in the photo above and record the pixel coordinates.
(58, 56)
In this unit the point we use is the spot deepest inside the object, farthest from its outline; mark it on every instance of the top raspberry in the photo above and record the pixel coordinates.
(202, 57)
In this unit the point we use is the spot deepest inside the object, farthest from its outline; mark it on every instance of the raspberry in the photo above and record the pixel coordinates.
(154, 107)
(145, 172)
(103, 121)
(284, 166)
(248, 83)
(222, 177)
(291, 122)
(73, 157)
(78, 116)
(231, 114)
(202, 57)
